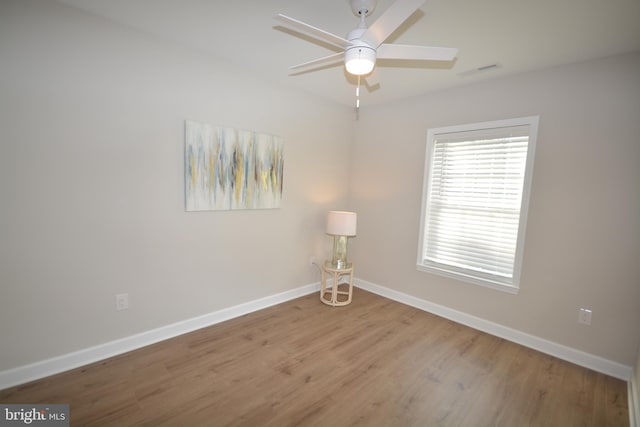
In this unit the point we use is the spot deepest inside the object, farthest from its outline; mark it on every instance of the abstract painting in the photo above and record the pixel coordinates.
(227, 168)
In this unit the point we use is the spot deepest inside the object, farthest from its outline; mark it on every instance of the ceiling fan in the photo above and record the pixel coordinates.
(364, 44)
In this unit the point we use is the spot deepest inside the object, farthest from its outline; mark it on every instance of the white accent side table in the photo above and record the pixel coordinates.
(331, 296)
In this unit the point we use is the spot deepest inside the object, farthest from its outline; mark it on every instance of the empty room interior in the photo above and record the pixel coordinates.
(142, 284)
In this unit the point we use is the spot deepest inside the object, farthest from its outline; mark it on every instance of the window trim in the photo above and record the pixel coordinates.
(462, 274)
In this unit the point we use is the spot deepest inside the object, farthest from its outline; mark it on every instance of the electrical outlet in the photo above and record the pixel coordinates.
(122, 302)
(584, 316)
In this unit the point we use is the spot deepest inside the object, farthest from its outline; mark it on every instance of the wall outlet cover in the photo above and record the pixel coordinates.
(122, 302)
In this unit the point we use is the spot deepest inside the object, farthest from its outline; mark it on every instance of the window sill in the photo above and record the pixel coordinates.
(487, 283)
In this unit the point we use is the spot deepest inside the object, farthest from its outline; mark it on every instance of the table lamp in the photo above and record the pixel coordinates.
(341, 225)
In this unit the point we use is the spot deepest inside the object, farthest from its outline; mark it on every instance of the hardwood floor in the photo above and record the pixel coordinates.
(373, 363)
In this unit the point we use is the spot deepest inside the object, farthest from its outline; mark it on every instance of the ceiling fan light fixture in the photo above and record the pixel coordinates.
(359, 60)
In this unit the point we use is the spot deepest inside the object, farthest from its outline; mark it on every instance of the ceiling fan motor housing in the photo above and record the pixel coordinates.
(360, 57)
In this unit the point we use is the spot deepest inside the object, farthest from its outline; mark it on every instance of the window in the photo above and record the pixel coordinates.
(474, 205)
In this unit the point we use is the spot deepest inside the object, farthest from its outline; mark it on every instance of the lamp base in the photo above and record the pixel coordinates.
(339, 258)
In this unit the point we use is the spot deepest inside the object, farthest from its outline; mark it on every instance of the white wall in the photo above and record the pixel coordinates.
(583, 236)
(91, 183)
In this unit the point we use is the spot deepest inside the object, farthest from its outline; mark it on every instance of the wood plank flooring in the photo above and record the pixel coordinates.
(375, 362)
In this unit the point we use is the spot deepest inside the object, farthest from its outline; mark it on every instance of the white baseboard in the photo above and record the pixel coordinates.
(634, 402)
(55, 365)
(560, 351)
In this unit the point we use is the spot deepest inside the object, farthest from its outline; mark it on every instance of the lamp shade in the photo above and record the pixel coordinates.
(341, 223)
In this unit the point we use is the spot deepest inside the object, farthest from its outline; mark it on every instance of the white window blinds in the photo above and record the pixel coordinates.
(474, 183)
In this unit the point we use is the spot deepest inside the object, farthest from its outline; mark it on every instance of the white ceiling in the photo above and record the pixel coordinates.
(517, 35)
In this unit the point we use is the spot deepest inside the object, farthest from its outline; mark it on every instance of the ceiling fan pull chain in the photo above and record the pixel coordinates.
(358, 95)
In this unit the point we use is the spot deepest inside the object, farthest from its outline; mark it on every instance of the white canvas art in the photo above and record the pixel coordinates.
(228, 168)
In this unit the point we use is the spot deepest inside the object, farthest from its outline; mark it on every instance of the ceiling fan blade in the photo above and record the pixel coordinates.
(336, 57)
(313, 31)
(389, 21)
(423, 53)
(372, 81)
